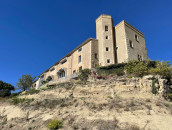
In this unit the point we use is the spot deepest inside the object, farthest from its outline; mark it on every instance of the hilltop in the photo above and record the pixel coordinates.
(119, 102)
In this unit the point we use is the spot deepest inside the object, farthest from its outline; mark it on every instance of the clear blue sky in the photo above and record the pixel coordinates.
(34, 34)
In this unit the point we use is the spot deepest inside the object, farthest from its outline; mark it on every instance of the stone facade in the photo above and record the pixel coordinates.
(112, 45)
(130, 43)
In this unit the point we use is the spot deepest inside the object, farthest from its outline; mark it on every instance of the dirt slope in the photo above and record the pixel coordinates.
(100, 105)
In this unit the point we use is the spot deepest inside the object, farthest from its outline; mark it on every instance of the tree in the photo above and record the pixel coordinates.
(5, 89)
(84, 75)
(24, 83)
(163, 68)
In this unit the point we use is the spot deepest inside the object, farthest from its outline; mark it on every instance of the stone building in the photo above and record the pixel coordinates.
(113, 44)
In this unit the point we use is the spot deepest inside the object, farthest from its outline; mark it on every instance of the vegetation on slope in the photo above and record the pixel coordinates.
(138, 69)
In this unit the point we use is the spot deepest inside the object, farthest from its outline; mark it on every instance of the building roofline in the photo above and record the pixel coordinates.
(70, 53)
(103, 15)
(130, 26)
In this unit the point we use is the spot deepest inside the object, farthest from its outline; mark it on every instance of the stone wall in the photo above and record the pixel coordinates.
(105, 39)
(139, 47)
(121, 43)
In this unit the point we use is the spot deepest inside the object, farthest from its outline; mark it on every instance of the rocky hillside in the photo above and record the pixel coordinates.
(117, 103)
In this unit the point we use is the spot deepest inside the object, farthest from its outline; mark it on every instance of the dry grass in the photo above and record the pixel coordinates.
(2, 99)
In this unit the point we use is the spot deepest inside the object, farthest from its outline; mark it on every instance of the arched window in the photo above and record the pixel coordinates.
(61, 73)
(49, 78)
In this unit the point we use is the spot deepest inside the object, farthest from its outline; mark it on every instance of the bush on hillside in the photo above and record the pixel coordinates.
(114, 69)
(16, 100)
(169, 96)
(129, 67)
(55, 124)
(84, 75)
(163, 69)
(140, 69)
(112, 66)
(15, 94)
(32, 91)
(155, 85)
(137, 68)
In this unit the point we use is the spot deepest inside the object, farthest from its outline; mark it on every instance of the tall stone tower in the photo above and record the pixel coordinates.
(105, 36)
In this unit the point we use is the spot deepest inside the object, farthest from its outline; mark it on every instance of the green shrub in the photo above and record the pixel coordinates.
(5, 93)
(168, 105)
(163, 69)
(84, 74)
(104, 72)
(140, 69)
(66, 85)
(119, 71)
(110, 97)
(16, 100)
(32, 91)
(150, 63)
(169, 96)
(112, 66)
(51, 86)
(155, 88)
(114, 69)
(136, 68)
(15, 94)
(55, 124)
(130, 65)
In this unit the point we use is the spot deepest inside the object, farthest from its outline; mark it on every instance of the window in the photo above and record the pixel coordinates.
(41, 79)
(51, 69)
(49, 78)
(74, 71)
(79, 59)
(42, 76)
(108, 60)
(136, 38)
(80, 68)
(61, 74)
(139, 58)
(63, 61)
(107, 48)
(106, 37)
(106, 28)
(95, 56)
(80, 49)
(131, 43)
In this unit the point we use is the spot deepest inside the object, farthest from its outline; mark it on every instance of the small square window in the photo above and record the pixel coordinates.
(74, 71)
(42, 76)
(52, 69)
(108, 60)
(106, 28)
(106, 37)
(131, 44)
(136, 38)
(80, 49)
(139, 58)
(107, 48)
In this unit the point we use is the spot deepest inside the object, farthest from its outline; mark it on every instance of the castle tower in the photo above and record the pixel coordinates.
(105, 36)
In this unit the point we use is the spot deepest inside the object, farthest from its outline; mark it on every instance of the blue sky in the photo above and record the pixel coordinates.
(34, 34)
